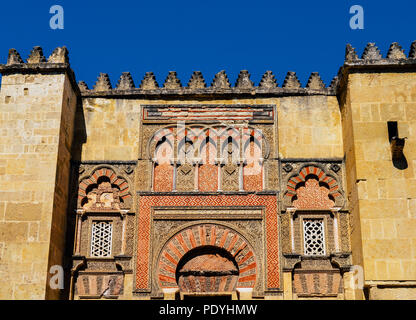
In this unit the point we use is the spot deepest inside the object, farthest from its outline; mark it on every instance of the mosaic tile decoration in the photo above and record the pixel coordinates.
(146, 202)
(213, 235)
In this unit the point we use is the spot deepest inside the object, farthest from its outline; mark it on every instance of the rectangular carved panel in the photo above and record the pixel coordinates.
(174, 113)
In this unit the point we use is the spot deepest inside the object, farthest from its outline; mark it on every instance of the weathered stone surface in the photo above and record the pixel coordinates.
(371, 52)
(221, 81)
(412, 52)
(125, 82)
(243, 80)
(65, 147)
(291, 81)
(268, 81)
(83, 87)
(197, 81)
(59, 55)
(36, 55)
(14, 57)
(149, 82)
(396, 52)
(315, 82)
(103, 83)
(350, 54)
(172, 81)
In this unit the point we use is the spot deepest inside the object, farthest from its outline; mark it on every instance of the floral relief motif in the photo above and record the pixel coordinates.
(313, 196)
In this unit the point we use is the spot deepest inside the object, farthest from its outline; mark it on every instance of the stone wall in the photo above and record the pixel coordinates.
(34, 170)
(37, 111)
(335, 137)
(310, 127)
(381, 190)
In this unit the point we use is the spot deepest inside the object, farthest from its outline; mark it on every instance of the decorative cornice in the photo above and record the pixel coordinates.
(125, 82)
(334, 83)
(372, 55)
(197, 81)
(396, 52)
(371, 52)
(243, 80)
(36, 55)
(221, 81)
(103, 83)
(83, 87)
(172, 81)
(350, 54)
(315, 82)
(412, 53)
(291, 81)
(14, 57)
(371, 60)
(59, 55)
(149, 82)
(268, 81)
(220, 86)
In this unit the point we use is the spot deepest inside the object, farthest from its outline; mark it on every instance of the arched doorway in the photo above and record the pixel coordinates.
(207, 260)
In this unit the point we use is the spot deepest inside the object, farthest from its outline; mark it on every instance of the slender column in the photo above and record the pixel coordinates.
(219, 176)
(291, 212)
(123, 233)
(174, 164)
(218, 162)
(196, 163)
(335, 212)
(80, 213)
(152, 178)
(241, 175)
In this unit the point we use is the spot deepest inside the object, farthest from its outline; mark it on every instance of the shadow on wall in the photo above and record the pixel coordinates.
(80, 137)
(400, 163)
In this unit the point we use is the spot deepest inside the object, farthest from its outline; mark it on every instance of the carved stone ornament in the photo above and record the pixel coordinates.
(197, 81)
(291, 81)
(268, 81)
(103, 197)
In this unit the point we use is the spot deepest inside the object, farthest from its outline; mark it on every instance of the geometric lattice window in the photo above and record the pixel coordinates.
(313, 237)
(102, 234)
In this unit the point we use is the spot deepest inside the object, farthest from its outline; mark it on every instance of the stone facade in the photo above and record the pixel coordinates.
(244, 191)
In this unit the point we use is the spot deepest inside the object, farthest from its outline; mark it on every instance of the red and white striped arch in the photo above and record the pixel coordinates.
(334, 188)
(207, 234)
(114, 179)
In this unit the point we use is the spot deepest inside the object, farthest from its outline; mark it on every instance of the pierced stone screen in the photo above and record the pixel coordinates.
(101, 239)
(314, 238)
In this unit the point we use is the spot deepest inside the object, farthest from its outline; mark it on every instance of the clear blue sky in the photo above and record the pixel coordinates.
(208, 36)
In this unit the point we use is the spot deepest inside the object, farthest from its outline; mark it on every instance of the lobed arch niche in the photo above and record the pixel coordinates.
(311, 188)
(103, 189)
(208, 158)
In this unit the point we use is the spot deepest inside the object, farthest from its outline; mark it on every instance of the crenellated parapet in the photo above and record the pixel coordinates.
(373, 56)
(372, 60)
(220, 86)
(36, 57)
(36, 62)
